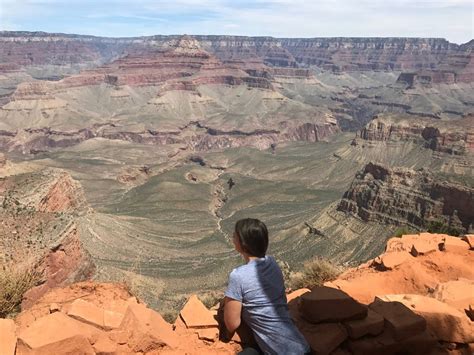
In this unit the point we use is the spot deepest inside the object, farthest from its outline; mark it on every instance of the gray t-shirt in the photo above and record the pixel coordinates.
(259, 286)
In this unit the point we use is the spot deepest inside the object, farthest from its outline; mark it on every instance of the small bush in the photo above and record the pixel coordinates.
(14, 282)
(404, 231)
(315, 273)
(443, 228)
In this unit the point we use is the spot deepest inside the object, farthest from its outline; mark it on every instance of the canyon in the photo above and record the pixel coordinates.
(130, 159)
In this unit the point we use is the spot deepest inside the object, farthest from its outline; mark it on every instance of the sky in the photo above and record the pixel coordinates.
(450, 19)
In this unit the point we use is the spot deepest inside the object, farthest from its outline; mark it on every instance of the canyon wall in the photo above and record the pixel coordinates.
(437, 135)
(338, 54)
(402, 196)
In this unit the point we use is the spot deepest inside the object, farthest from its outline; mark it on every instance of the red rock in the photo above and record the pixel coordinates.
(445, 322)
(148, 330)
(119, 336)
(470, 312)
(7, 337)
(103, 345)
(324, 338)
(458, 294)
(208, 334)
(196, 315)
(371, 325)
(422, 343)
(76, 345)
(469, 239)
(326, 304)
(53, 328)
(87, 312)
(399, 319)
(112, 320)
(54, 307)
(295, 294)
(392, 259)
(454, 244)
(421, 247)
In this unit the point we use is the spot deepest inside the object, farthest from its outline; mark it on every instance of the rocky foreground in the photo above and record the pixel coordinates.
(416, 298)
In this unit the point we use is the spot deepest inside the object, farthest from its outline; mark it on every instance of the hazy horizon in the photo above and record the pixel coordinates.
(449, 19)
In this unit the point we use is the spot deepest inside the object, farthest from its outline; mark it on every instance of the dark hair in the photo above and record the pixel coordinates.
(253, 236)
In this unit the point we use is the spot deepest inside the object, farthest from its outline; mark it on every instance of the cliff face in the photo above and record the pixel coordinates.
(39, 231)
(402, 196)
(339, 54)
(436, 135)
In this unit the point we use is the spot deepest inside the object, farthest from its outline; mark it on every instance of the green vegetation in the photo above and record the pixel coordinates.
(404, 231)
(438, 226)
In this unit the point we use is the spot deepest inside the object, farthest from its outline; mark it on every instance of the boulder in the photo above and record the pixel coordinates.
(148, 330)
(323, 338)
(326, 304)
(423, 247)
(392, 259)
(7, 337)
(196, 315)
(399, 319)
(77, 345)
(386, 344)
(445, 322)
(454, 244)
(373, 324)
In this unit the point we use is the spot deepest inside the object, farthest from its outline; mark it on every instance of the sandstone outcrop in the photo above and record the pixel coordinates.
(398, 316)
(446, 137)
(402, 196)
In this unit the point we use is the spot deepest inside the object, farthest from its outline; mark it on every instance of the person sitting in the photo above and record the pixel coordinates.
(256, 295)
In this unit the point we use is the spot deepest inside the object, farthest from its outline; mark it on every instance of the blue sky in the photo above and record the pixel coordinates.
(450, 19)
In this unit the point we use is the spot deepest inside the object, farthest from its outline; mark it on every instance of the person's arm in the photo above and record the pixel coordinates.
(232, 314)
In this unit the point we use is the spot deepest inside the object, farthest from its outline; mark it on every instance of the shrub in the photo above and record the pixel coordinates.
(404, 231)
(14, 282)
(315, 273)
(443, 228)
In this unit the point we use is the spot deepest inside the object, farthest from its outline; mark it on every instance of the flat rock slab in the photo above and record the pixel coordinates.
(324, 338)
(454, 244)
(399, 319)
(7, 337)
(196, 315)
(53, 328)
(87, 312)
(458, 294)
(77, 345)
(445, 322)
(373, 324)
(327, 304)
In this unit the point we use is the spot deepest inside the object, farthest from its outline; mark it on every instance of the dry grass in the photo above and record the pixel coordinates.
(315, 273)
(14, 282)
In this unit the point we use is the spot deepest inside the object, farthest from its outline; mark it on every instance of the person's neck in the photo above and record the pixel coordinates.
(248, 258)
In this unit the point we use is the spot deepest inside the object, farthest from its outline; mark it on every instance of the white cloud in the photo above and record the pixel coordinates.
(452, 19)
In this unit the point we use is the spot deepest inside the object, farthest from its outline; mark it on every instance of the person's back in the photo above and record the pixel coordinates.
(256, 290)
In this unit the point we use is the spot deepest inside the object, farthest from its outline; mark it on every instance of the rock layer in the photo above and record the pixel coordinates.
(406, 197)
